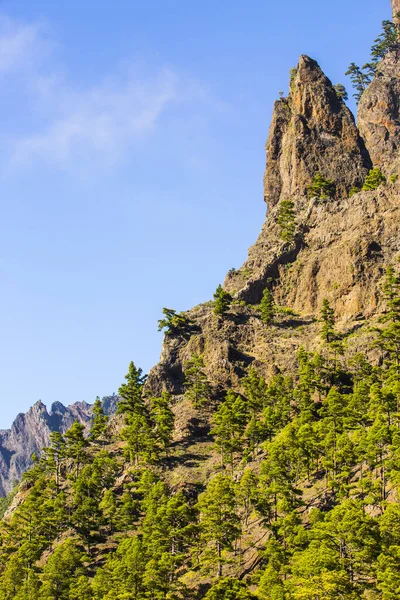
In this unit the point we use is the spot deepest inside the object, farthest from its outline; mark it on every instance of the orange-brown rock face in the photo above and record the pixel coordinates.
(312, 131)
(396, 9)
(340, 248)
(379, 115)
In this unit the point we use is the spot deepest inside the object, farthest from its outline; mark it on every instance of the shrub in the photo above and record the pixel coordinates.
(292, 74)
(373, 180)
(341, 92)
(321, 188)
(354, 190)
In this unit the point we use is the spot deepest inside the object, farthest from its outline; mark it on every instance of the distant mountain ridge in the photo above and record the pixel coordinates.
(30, 432)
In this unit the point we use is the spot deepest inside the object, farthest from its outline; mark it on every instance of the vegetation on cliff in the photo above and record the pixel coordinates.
(216, 480)
(305, 485)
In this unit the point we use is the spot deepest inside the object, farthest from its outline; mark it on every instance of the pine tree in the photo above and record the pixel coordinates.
(81, 589)
(222, 301)
(108, 507)
(228, 426)
(162, 419)
(286, 220)
(219, 521)
(100, 421)
(131, 401)
(196, 382)
(61, 570)
(391, 290)
(359, 79)
(389, 336)
(387, 41)
(328, 322)
(267, 307)
(341, 92)
(75, 445)
(139, 438)
(55, 454)
(173, 322)
(255, 390)
(229, 589)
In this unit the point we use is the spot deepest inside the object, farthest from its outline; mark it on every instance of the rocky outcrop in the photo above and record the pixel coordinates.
(31, 431)
(379, 116)
(312, 131)
(340, 249)
(379, 111)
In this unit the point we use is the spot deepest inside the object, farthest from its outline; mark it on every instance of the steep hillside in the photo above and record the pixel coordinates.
(260, 458)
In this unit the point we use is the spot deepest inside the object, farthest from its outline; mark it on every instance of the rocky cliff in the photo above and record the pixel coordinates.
(31, 431)
(341, 245)
(132, 514)
(312, 131)
(379, 111)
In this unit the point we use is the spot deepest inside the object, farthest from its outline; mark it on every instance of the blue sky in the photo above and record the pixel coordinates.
(132, 155)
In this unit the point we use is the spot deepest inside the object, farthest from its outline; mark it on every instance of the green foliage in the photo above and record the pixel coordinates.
(360, 80)
(75, 445)
(229, 589)
(373, 180)
(196, 382)
(6, 502)
(341, 92)
(321, 188)
(173, 322)
(303, 495)
(61, 570)
(387, 41)
(328, 321)
(100, 421)
(220, 523)
(292, 75)
(222, 301)
(354, 190)
(131, 401)
(393, 178)
(267, 307)
(163, 420)
(285, 220)
(229, 424)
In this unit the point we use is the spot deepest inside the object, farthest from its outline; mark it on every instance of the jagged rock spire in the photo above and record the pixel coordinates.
(379, 111)
(312, 131)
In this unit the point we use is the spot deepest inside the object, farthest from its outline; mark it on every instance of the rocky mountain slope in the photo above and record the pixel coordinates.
(30, 433)
(341, 246)
(260, 459)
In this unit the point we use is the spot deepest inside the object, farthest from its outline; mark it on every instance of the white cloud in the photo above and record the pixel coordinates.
(101, 120)
(20, 45)
(62, 121)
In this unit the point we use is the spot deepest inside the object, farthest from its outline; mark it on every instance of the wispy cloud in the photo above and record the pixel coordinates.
(99, 121)
(21, 45)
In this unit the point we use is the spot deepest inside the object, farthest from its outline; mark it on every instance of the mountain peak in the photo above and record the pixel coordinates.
(312, 131)
(57, 407)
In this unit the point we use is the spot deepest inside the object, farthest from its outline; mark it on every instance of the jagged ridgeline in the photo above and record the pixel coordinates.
(261, 457)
